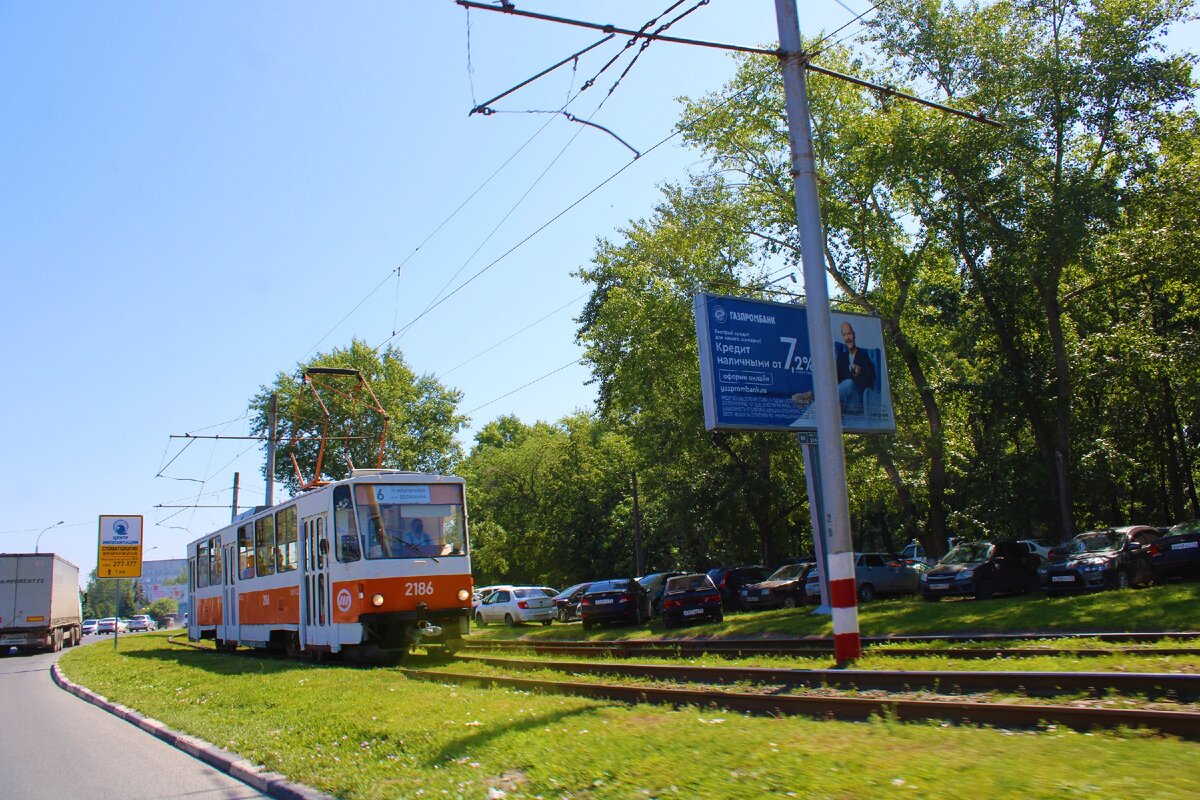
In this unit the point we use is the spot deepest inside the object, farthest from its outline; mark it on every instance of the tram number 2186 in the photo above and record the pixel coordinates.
(418, 588)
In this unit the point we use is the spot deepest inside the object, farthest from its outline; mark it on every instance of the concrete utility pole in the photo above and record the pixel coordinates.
(237, 481)
(836, 506)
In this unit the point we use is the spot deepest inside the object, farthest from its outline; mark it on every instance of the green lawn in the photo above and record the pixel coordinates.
(373, 733)
(1170, 607)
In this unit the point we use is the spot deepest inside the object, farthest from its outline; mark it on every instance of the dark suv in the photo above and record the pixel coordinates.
(730, 580)
(981, 570)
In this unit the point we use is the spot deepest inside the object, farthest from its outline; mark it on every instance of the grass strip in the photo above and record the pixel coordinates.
(372, 733)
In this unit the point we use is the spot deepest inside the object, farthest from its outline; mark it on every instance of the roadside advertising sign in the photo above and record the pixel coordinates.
(756, 367)
(120, 548)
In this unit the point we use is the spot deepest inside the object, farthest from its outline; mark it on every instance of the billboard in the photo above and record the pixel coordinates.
(756, 367)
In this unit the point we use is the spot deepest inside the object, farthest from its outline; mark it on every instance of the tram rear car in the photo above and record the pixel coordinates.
(374, 563)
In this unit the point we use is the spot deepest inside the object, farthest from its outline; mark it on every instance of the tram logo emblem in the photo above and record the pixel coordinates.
(344, 600)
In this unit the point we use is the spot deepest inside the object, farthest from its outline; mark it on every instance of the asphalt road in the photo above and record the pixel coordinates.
(54, 746)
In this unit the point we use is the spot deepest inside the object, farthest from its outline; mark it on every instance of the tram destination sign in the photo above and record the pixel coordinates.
(756, 367)
(120, 546)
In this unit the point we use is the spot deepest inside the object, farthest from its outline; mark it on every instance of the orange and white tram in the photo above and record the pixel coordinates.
(376, 562)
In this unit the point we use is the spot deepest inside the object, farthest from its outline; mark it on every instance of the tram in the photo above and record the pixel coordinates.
(378, 562)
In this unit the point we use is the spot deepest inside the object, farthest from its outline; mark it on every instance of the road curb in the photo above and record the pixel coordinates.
(269, 783)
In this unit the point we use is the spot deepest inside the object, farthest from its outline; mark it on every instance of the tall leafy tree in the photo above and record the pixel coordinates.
(417, 429)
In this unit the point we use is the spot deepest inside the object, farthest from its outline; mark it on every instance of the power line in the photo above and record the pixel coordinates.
(525, 386)
(512, 336)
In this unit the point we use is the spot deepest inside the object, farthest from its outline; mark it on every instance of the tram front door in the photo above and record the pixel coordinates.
(316, 623)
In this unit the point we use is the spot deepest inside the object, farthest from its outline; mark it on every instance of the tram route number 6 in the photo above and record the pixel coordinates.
(418, 588)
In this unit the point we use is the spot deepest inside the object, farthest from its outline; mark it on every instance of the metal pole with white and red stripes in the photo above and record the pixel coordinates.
(828, 412)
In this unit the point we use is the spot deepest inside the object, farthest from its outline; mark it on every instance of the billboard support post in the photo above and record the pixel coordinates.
(846, 641)
(812, 476)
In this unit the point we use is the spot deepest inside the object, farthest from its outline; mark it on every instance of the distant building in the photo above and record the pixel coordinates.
(165, 578)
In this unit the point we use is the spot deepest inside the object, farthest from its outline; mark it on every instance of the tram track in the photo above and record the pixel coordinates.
(1181, 687)
(850, 708)
(834, 705)
(744, 648)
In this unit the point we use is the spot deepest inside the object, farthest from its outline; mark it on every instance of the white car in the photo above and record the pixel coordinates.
(89, 626)
(142, 622)
(1039, 549)
(480, 594)
(516, 604)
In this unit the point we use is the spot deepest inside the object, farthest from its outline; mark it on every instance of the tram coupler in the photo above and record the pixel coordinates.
(426, 628)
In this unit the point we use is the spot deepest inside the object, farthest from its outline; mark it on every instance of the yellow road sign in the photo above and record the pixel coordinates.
(120, 546)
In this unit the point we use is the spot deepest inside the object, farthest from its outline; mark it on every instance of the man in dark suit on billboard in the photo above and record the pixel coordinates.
(855, 372)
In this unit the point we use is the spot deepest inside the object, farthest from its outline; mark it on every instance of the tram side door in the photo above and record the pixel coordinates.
(229, 600)
(316, 620)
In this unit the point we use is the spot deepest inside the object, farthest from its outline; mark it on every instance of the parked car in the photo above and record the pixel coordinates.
(1037, 547)
(618, 600)
(730, 580)
(142, 622)
(981, 570)
(111, 625)
(515, 605)
(914, 552)
(1115, 558)
(784, 588)
(89, 626)
(480, 594)
(654, 583)
(874, 574)
(567, 601)
(1177, 552)
(690, 598)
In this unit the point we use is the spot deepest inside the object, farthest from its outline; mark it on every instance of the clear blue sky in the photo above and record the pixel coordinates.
(199, 196)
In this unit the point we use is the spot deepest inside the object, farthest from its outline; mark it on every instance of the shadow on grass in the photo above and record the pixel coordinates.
(461, 746)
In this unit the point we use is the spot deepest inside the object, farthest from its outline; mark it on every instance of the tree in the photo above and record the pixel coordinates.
(102, 597)
(417, 432)
(161, 607)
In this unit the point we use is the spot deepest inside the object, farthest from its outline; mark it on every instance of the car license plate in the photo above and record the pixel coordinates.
(605, 601)
(1062, 578)
(691, 612)
(1185, 546)
(752, 599)
(939, 586)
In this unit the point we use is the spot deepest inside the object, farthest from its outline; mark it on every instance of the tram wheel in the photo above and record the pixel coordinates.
(291, 645)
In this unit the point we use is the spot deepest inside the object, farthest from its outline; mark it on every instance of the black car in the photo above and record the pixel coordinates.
(619, 600)
(1178, 552)
(688, 598)
(730, 580)
(567, 601)
(783, 589)
(1114, 558)
(981, 570)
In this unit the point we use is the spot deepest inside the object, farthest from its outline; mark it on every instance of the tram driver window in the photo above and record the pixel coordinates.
(345, 529)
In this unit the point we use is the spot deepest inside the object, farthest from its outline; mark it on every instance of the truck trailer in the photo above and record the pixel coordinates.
(39, 603)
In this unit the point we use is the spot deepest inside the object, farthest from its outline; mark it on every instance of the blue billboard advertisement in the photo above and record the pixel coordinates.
(756, 367)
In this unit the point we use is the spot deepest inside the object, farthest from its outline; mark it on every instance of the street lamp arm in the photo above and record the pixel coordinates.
(38, 543)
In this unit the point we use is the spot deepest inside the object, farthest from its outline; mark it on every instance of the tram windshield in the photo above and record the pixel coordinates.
(400, 521)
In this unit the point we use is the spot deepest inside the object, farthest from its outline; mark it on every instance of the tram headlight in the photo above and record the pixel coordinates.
(377, 600)
(463, 595)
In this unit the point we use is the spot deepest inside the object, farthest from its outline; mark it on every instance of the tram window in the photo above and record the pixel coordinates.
(214, 561)
(264, 546)
(201, 575)
(245, 552)
(287, 556)
(345, 529)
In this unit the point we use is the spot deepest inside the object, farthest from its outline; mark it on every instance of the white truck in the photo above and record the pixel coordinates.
(39, 602)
